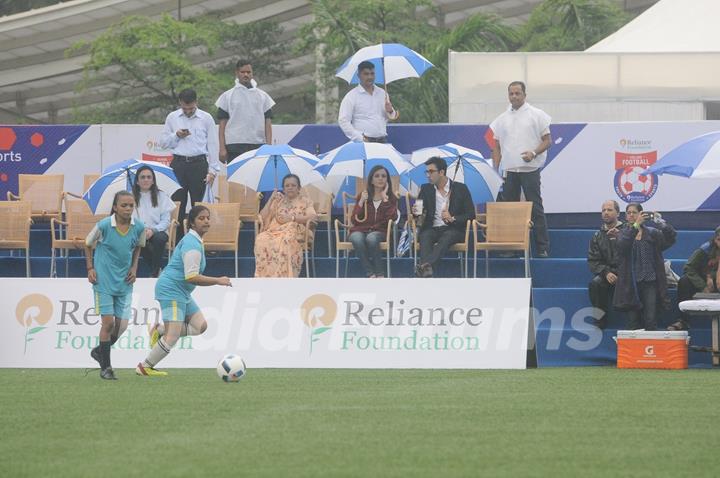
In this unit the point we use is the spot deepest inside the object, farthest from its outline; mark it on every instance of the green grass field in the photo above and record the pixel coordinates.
(548, 422)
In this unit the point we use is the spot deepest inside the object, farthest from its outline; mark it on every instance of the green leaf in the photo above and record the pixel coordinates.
(320, 330)
(35, 330)
(29, 339)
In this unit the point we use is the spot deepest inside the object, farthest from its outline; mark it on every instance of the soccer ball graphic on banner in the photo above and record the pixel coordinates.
(631, 182)
(231, 368)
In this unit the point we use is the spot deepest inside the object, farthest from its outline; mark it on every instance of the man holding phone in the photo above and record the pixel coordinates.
(188, 133)
(603, 261)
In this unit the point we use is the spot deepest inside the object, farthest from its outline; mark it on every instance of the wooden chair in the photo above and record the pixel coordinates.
(507, 228)
(322, 202)
(224, 229)
(308, 243)
(246, 198)
(343, 245)
(43, 191)
(79, 221)
(88, 180)
(15, 220)
(172, 230)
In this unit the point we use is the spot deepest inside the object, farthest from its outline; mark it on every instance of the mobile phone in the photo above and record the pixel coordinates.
(185, 130)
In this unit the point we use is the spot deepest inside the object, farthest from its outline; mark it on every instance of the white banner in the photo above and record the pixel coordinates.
(286, 323)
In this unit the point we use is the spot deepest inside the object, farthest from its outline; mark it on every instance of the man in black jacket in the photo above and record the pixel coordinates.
(447, 207)
(603, 261)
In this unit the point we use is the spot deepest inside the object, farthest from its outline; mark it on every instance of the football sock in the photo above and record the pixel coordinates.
(113, 338)
(159, 352)
(105, 354)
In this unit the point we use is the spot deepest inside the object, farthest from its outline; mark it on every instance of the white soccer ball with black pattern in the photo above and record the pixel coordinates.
(231, 368)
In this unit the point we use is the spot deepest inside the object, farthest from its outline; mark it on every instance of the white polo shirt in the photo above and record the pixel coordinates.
(519, 131)
(246, 108)
(362, 113)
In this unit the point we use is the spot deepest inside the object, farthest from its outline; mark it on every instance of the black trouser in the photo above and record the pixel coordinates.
(236, 149)
(600, 292)
(685, 291)
(645, 317)
(435, 242)
(154, 250)
(191, 174)
(530, 184)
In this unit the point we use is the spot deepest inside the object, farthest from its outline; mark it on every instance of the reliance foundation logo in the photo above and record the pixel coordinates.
(33, 308)
(318, 312)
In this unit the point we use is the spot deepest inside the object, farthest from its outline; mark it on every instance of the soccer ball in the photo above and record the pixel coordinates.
(631, 181)
(231, 368)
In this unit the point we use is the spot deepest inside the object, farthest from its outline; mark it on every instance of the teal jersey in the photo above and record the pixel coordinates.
(188, 260)
(113, 254)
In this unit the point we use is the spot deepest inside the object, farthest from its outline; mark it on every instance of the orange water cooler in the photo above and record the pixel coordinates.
(652, 349)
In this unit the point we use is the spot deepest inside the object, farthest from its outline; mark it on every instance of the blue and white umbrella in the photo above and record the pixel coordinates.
(465, 165)
(357, 158)
(119, 177)
(698, 158)
(392, 61)
(263, 169)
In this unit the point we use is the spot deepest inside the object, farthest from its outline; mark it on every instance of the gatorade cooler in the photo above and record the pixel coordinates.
(656, 349)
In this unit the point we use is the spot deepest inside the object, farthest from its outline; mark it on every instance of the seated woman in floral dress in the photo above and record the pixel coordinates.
(279, 247)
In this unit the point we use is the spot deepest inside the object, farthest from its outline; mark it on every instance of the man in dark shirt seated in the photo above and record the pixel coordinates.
(446, 207)
(603, 261)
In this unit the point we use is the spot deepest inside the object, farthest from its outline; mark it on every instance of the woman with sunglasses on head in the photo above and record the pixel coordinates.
(154, 208)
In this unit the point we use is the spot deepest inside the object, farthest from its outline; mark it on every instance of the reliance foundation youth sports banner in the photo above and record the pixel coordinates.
(284, 323)
(588, 163)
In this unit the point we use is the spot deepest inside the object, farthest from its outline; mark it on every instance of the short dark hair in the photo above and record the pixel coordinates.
(242, 62)
(365, 65)
(615, 204)
(291, 175)
(636, 205)
(517, 83)
(188, 96)
(194, 213)
(438, 162)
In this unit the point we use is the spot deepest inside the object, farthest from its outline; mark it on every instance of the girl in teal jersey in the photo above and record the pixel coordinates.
(111, 255)
(181, 315)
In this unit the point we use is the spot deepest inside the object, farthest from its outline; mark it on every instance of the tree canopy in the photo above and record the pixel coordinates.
(145, 63)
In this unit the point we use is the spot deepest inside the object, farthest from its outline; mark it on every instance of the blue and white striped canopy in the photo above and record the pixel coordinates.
(119, 177)
(263, 169)
(392, 61)
(465, 165)
(698, 158)
(357, 158)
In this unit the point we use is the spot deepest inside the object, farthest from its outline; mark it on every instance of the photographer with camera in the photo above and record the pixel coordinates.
(641, 282)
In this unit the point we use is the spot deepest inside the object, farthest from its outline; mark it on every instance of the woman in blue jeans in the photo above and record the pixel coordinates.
(373, 208)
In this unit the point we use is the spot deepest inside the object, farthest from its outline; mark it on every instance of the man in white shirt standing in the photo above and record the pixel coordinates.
(244, 114)
(522, 137)
(365, 110)
(188, 132)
